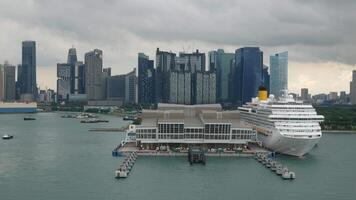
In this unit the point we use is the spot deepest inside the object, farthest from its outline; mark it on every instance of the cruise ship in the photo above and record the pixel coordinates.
(285, 125)
(16, 107)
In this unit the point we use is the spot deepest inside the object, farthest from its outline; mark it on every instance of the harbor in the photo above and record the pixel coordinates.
(64, 148)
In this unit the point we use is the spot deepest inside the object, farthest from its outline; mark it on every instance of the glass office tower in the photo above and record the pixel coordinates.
(279, 73)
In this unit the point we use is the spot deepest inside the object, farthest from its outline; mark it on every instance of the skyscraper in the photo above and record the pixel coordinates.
(93, 75)
(105, 75)
(79, 83)
(184, 79)
(131, 87)
(72, 56)
(116, 87)
(353, 88)
(64, 81)
(279, 73)
(19, 82)
(204, 88)
(266, 78)
(2, 90)
(27, 82)
(220, 62)
(71, 60)
(9, 82)
(146, 84)
(246, 74)
(165, 62)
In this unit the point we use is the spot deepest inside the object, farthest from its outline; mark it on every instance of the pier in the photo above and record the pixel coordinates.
(198, 154)
(268, 160)
(126, 166)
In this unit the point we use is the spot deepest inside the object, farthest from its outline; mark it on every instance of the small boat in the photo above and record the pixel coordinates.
(7, 137)
(29, 118)
(288, 175)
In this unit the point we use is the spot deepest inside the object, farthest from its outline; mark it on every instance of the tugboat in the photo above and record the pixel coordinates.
(7, 137)
(29, 118)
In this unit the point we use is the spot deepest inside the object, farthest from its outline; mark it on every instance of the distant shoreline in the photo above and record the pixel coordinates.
(338, 131)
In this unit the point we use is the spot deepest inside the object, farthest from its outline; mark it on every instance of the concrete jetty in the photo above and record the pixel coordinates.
(268, 160)
(126, 166)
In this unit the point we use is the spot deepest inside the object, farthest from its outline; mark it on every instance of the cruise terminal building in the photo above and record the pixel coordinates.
(203, 125)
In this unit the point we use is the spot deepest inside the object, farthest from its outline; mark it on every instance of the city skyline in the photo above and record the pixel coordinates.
(317, 50)
(49, 74)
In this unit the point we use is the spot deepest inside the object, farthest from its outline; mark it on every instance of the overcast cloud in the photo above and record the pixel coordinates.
(319, 34)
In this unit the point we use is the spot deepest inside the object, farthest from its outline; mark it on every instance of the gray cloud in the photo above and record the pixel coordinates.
(312, 30)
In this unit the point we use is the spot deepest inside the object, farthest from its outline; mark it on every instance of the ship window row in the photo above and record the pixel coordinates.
(170, 128)
(257, 120)
(300, 131)
(306, 119)
(146, 136)
(145, 130)
(217, 128)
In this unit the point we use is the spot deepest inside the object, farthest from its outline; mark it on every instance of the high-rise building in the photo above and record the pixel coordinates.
(71, 60)
(105, 76)
(18, 82)
(93, 75)
(184, 79)
(266, 78)
(165, 62)
(72, 56)
(27, 81)
(131, 94)
(116, 87)
(146, 79)
(279, 73)
(2, 90)
(220, 62)
(204, 88)
(304, 94)
(9, 82)
(353, 88)
(180, 87)
(64, 72)
(79, 83)
(246, 75)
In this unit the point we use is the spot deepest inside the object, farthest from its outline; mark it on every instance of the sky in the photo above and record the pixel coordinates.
(320, 35)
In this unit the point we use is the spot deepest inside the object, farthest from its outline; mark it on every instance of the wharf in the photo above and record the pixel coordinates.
(131, 147)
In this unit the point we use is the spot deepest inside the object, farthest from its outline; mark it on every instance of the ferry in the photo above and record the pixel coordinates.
(283, 125)
(16, 107)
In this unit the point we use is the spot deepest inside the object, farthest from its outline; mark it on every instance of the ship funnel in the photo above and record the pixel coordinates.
(262, 93)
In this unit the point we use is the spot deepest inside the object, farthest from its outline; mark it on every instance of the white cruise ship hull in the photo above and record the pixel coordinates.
(288, 145)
